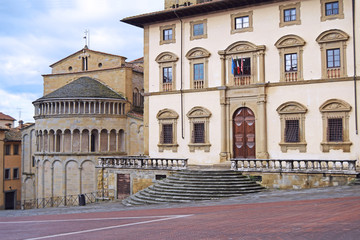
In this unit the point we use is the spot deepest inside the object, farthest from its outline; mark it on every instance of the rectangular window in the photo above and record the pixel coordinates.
(335, 130)
(332, 8)
(16, 149)
(333, 58)
(291, 62)
(167, 74)
(15, 173)
(290, 15)
(198, 29)
(7, 174)
(167, 133)
(7, 149)
(167, 34)
(198, 71)
(292, 131)
(242, 22)
(199, 133)
(241, 66)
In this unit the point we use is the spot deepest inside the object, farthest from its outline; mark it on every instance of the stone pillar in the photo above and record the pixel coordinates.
(117, 141)
(62, 142)
(262, 136)
(224, 154)
(80, 149)
(71, 141)
(108, 142)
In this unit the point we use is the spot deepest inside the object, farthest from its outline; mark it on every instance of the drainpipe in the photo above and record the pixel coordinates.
(355, 85)
(181, 75)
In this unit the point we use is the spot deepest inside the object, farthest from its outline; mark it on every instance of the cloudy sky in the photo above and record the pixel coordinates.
(36, 33)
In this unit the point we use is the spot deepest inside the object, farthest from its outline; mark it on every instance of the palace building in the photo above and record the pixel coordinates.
(251, 79)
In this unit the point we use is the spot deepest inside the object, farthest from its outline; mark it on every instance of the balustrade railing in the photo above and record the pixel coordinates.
(198, 84)
(243, 80)
(68, 200)
(167, 86)
(294, 166)
(333, 72)
(291, 76)
(143, 162)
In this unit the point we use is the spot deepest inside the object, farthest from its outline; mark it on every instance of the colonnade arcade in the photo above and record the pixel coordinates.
(85, 106)
(86, 140)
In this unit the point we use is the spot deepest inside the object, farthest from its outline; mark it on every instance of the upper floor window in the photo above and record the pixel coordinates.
(84, 63)
(7, 173)
(331, 9)
(291, 51)
(7, 149)
(241, 66)
(167, 66)
(291, 62)
(290, 14)
(16, 149)
(241, 22)
(167, 34)
(333, 58)
(15, 173)
(198, 58)
(333, 53)
(198, 29)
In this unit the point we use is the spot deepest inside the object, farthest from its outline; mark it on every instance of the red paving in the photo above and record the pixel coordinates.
(337, 218)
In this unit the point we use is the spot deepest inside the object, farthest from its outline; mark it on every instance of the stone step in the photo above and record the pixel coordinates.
(186, 186)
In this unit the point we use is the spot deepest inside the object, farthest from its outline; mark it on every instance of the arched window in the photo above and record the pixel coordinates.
(167, 130)
(198, 59)
(167, 68)
(199, 129)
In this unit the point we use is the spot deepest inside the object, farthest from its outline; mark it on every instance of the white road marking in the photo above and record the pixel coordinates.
(89, 219)
(165, 218)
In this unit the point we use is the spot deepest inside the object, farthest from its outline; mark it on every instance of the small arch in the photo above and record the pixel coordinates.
(198, 111)
(335, 105)
(291, 107)
(121, 141)
(333, 35)
(167, 114)
(241, 47)
(104, 140)
(94, 141)
(290, 40)
(166, 57)
(197, 52)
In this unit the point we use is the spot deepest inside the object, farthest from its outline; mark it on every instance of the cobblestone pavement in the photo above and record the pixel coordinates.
(262, 197)
(323, 213)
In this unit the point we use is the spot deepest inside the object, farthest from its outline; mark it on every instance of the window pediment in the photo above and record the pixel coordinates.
(241, 47)
(291, 107)
(166, 57)
(167, 114)
(290, 41)
(197, 52)
(198, 112)
(335, 105)
(334, 35)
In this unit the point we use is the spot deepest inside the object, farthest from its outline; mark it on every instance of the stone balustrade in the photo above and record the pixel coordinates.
(294, 166)
(142, 162)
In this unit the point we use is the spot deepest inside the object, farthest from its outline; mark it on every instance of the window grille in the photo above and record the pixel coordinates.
(335, 130)
(292, 131)
(167, 133)
(199, 133)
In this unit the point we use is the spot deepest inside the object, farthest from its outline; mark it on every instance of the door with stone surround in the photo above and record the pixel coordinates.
(244, 133)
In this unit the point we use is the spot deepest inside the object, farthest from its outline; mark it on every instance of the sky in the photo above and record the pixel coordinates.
(37, 33)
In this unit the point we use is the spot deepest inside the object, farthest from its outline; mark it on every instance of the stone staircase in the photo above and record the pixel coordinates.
(357, 180)
(187, 186)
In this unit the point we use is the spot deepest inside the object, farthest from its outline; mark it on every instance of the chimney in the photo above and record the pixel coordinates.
(21, 124)
(8, 125)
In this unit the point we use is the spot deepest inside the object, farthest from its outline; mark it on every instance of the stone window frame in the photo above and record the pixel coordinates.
(168, 116)
(238, 15)
(243, 49)
(282, 8)
(167, 59)
(332, 39)
(335, 108)
(199, 115)
(204, 35)
(323, 15)
(166, 27)
(292, 111)
(195, 56)
(291, 44)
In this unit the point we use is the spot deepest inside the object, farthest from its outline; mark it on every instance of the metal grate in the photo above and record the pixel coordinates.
(167, 130)
(335, 130)
(199, 133)
(292, 131)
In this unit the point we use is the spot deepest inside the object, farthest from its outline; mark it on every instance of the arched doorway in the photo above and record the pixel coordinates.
(244, 133)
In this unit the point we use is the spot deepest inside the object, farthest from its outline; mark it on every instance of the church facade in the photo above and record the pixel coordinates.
(251, 80)
(92, 106)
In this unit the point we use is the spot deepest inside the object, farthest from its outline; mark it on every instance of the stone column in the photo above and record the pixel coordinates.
(262, 136)
(224, 153)
(108, 142)
(117, 141)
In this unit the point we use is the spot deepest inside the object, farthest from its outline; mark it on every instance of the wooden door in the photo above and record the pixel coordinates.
(10, 200)
(244, 133)
(123, 186)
